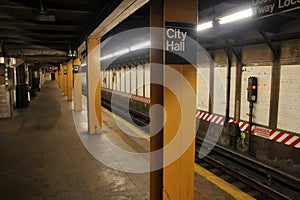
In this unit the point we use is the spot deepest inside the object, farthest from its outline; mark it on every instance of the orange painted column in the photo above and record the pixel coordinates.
(65, 71)
(77, 88)
(179, 18)
(56, 77)
(61, 78)
(93, 86)
(69, 79)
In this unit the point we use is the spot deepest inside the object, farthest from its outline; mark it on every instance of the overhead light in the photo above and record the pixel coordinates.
(204, 26)
(236, 16)
(107, 57)
(73, 55)
(140, 46)
(45, 17)
(121, 52)
(13, 61)
(2, 60)
(127, 50)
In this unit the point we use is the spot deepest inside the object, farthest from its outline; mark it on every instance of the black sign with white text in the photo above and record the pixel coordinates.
(180, 43)
(263, 8)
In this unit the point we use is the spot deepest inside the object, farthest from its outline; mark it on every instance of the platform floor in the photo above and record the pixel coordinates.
(42, 157)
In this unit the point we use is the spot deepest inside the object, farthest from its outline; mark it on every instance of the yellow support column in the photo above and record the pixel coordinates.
(180, 107)
(60, 78)
(65, 80)
(57, 77)
(180, 111)
(93, 85)
(41, 78)
(77, 88)
(70, 79)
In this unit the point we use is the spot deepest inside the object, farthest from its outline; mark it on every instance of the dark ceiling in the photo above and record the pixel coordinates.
(271, 28)
(22, 35)
(27, 28)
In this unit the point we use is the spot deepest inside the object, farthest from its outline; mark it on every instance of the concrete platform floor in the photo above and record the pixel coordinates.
(42, 157)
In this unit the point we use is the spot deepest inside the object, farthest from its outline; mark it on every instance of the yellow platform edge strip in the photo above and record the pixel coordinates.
(128, 125)
(227, 187)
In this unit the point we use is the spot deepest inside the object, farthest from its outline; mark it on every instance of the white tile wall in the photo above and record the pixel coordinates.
(127, 80)
(122, 80)
(289, 98)
(111, 79)
(118, 80)
(220, 90)
(202, 89)
(140, 80)
(133, 80)
(147, 80)
(262, 106)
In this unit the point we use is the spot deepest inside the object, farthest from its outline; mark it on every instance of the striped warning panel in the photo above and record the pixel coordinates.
(210, 117)
(274, 135)
(285, 138)
(123, 94)
(278, 136)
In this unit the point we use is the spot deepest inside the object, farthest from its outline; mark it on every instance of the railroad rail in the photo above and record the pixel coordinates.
(255, 178)
(251, 176)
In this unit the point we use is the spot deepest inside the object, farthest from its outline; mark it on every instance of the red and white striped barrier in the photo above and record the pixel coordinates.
(285, 138)
(278, 136)
(210, 117)
(123, 94)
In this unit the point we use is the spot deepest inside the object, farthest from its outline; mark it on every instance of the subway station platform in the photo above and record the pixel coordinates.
(42, 157)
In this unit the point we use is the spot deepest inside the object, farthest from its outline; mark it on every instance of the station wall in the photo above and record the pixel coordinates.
(289, 96)
(261, 108)
(140, 80)
(257, 61)
(147, 80)
(203, 89)
(220, 86)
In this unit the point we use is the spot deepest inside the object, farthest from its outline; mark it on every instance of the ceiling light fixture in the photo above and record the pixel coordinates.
(140, 46)
(107, 57)
(44, 15)
(121, 52)
(127, 50)
(236, 16)
(205, 26)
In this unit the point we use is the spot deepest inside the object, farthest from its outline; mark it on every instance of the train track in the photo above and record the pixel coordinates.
(254, 178)
(247, 174)
(141, 120)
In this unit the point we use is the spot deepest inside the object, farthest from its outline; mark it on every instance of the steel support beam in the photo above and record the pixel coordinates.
(238, 84)
(124, 10)
(275, 82)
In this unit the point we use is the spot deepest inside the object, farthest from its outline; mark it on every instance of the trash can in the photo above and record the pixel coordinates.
(22, 95)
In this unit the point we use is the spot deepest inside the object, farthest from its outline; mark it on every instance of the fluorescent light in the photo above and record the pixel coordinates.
(236, 16)
(204, 26)
(140, 46)
(13, 61)
(83, 64)
(107, 57)
(124, 51)
(2, 60)
(45, 17)
(121, 52)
